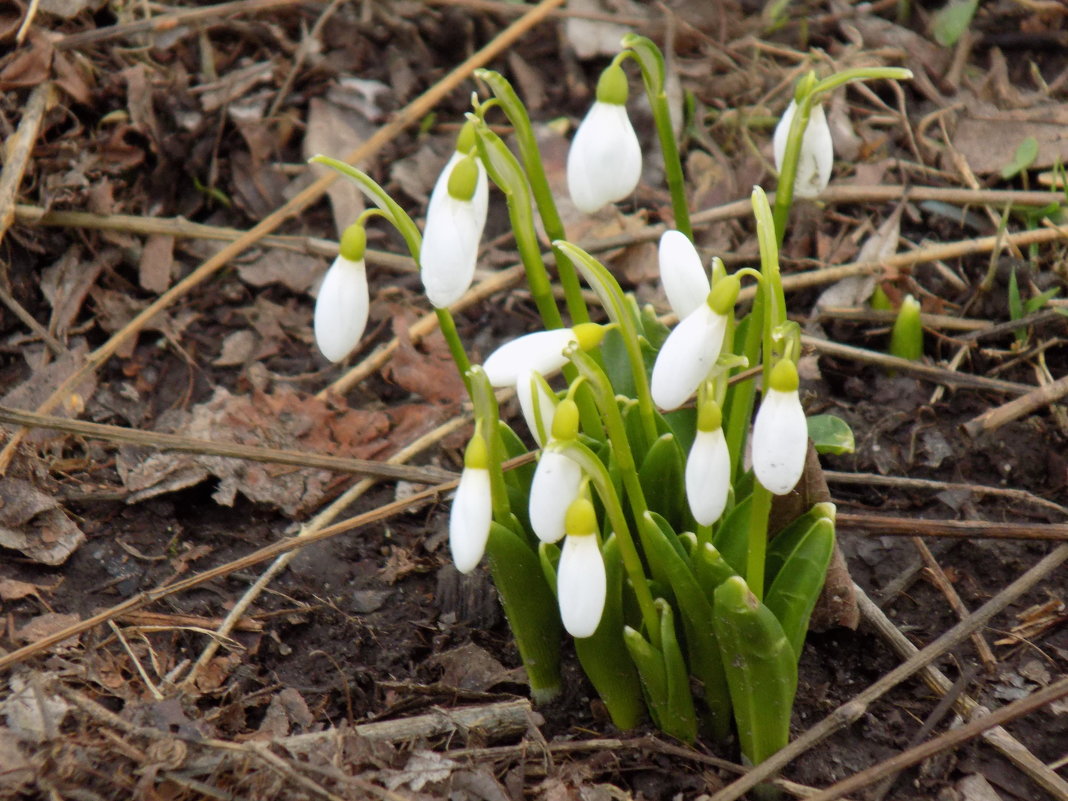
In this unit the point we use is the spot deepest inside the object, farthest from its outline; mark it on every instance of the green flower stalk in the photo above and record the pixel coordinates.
(505, 171)
(651, 61)
(516, 112)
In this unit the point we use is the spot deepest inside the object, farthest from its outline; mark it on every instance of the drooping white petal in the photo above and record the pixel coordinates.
(532, 396)
(542, 351)
(581, 585)
(681, 273)
(555, 485)
(451, 237)
(816, 160)
(470, 518)
(708, 474)
(450, 251)
(780, 441)
(687, 356)
(604, 163)
(341, 308)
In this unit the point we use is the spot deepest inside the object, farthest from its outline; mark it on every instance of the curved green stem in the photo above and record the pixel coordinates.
(504, 170)
(651, 62)
(611, 296)
(516, 112)
(632, 563)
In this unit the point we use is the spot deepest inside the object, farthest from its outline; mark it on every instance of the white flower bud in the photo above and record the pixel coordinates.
(536, 402)
(780, 432)
(708, 476)
(470, 518)
(542, 351)
(452, 234)
(604, 163)
(581, 585)
(341, 308)
(687, 356)
(816, 160)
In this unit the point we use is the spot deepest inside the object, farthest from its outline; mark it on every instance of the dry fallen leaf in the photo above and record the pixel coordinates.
(988, 137)
(279, 419)
(34, 523)
(428, 371)
(335, 131)
(32, 712)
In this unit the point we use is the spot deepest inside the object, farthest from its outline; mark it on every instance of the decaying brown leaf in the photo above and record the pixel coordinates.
(279, 419)
(428, 371)
(988, 137)
(34, 523)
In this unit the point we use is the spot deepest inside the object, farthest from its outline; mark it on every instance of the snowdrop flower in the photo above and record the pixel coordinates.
(557, 479)
(455, 218)
(708, 467)
(681, 273)
(691, 350)
(342, 304)
(604, 163)
(542, 351)
(581, 582)
(537, 403)
(780, 432)
(472, 508)
(816, 159)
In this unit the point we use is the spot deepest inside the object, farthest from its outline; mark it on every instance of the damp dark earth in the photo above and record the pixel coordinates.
(214, 586)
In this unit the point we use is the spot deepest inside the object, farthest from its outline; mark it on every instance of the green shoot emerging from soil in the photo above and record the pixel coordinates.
(640, 531)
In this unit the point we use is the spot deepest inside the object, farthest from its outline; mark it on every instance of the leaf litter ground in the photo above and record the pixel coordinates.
(369, 667)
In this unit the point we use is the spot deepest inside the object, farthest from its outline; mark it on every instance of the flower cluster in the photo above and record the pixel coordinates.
(639, 531)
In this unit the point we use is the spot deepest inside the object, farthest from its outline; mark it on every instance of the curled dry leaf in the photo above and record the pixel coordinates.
(34, 523)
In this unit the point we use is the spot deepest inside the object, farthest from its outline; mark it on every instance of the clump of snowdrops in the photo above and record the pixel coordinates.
(640, 531)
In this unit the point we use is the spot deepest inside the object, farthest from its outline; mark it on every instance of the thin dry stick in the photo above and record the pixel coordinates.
(952, 738)
(946, 587)
(17, 150)
(233, 618)
(900, 482)
(405, 117)
(176, 442)
(938, 375)
(851, 711)
(998, 737)
(1036, 399)
(166, 22)
(184, 229)
(271, 551)
(882, 526)
(27, 21)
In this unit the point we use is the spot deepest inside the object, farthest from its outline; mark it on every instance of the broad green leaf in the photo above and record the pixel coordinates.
(830, 434)
(951, 21)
